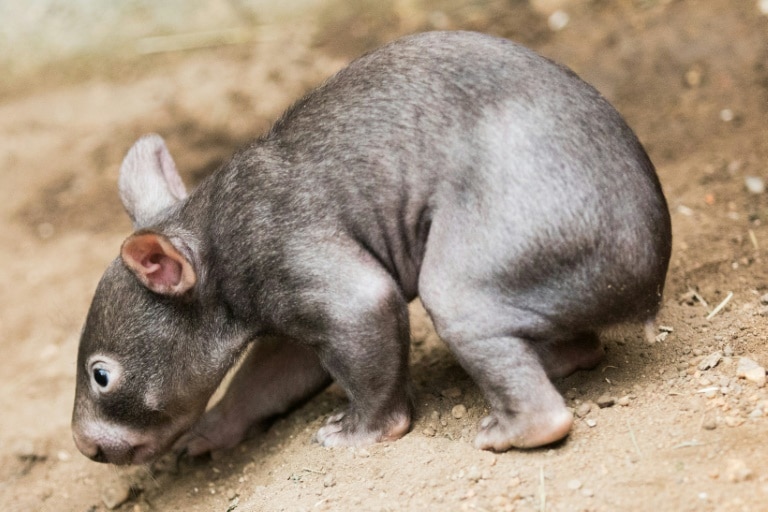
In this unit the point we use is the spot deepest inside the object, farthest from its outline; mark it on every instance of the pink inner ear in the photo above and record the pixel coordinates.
(161, 270)
(158, 264)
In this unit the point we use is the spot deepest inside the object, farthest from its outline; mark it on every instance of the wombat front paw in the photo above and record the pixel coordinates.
(346, 429)
(500, 432)
(213, 432)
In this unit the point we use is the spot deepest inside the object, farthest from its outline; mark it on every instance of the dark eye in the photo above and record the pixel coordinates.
(101, 376)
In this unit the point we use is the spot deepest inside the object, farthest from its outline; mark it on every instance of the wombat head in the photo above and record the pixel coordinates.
(150, 353)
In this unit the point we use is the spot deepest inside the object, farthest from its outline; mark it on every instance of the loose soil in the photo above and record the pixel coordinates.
(664, 426)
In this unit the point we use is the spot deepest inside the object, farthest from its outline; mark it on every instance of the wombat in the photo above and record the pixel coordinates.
(464, 169)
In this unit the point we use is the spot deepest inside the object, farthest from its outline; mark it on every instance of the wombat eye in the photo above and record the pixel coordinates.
(101, 376)
(105, 373)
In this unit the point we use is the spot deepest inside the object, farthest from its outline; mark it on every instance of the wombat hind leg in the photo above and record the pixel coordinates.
(584, 351)
(527, 411)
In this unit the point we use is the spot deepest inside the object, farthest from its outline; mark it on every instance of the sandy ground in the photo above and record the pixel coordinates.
(685, 431)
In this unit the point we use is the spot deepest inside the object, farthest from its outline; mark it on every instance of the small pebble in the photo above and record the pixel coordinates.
(574, 485)
(606, 401)
(750, 370)
(458, 411)
(583, 409)
(558, 20)
(451, 392)
(429, 431)
(591, 423)
(710, 361)
(25, 450)
(755, 184)
(474, 474)
(329, 481)
(709, 424)
(727, 115)
(623, 401)
(116, 495)
(764, 299)
(693, 76)
(661, 337)
(737, 471)
(587, 493)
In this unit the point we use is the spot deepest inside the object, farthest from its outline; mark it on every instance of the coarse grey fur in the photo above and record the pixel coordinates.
(454, 166)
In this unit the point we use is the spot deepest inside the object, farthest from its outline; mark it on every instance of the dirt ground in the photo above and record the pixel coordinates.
(678, 426)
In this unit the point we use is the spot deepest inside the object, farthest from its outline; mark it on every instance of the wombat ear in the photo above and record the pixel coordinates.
(158, 264)
(148, 181)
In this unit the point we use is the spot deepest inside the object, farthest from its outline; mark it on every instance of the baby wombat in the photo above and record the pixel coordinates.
(453, 166)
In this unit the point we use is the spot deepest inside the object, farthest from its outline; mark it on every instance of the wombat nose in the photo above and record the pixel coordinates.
(99, 456)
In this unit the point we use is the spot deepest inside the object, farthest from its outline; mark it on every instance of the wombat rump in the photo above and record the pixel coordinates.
(464, 169)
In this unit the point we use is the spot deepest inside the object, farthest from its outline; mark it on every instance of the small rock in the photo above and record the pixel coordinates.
(710, 361)
(606, 401)
(588, 493)
(666, 328)
(451, 392)
(458, 411)
(754, 184)
(574, 485)
(558, 20)
(764, 299)
(474, 474)
(727, 115)
(116, 495)
(623, 401)
(693, 76)
(661, 337)
(583, 409)
(26, 450)
(709, 424)
(750, 370)
(329, 481)
(728, 351)
(737, 471)
(591, 423)
(429, 431)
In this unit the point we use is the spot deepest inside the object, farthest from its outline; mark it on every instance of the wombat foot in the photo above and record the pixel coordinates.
(500, 432)
(215, 431)
(344, 429)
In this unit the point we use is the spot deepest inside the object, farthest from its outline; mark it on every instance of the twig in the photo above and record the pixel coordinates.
(192, 40)
(687, 444)
(720, 306)
(634, 440)
(753, 239)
